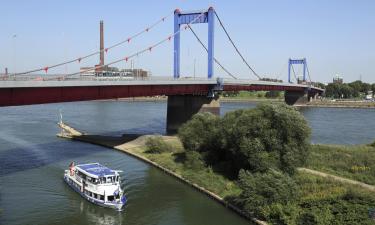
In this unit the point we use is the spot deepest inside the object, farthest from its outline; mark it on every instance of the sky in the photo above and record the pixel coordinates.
(335, 36)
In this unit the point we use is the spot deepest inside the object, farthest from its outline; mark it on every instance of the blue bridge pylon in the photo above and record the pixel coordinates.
(297, 61)
(194, 17)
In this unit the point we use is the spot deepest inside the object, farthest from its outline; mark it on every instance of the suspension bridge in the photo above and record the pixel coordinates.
(186, 95)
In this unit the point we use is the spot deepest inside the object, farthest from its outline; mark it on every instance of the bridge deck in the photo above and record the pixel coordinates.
(24, 92)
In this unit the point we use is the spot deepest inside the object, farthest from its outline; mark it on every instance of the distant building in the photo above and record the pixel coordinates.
(104, 71)
(337, 80)
(107, 71)
(138, 73)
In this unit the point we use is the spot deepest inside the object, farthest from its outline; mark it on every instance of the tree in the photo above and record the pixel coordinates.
(335, 90)
(268, 136)
(320, 85)
(199, 134)
(360, 87)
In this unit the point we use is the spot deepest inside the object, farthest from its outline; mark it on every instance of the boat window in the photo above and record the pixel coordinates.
(95, 195)
(110, 198)
(101, 197)
(81, 175)
(111, 179)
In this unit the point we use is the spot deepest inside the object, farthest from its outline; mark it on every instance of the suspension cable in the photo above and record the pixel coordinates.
(216, 61)
(97, 52)
(235, 47)
(295, 76)
(130, 56)
(308, 73)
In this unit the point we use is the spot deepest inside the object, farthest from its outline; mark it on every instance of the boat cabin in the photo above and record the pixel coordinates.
(97, 174)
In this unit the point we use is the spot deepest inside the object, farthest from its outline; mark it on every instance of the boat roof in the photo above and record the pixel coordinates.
(96, 170)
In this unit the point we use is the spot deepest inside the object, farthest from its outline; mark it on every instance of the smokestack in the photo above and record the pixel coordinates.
(6, 71)
(101, 43)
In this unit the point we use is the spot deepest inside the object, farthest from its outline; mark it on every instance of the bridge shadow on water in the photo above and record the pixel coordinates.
(21, 159)
(107, 141)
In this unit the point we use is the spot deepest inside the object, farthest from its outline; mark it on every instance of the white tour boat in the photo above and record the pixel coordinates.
(96, 183)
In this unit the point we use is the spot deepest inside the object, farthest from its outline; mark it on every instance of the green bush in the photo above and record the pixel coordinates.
(193, 160)
(157, 145)
(325, 201)
(262, 190)
(282, 214)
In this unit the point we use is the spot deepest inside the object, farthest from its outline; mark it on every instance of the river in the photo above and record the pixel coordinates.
(32, 160)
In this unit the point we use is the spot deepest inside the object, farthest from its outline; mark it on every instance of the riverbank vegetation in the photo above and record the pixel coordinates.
(353, 162)
(253, 95)
(249, 158)
(354, 89)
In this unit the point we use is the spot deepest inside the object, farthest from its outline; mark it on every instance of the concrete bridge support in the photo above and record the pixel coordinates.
(299, 97)
(182, 107)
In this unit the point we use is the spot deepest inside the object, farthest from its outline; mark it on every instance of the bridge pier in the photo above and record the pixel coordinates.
(182, 107)
(299, 97)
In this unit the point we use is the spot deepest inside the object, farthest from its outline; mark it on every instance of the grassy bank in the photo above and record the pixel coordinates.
(321, 200)
(174, 161)
(354, 162)
(325, 201)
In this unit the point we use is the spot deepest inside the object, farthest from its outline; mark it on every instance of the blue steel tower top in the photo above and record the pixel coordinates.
(206, 16)
(297, 61)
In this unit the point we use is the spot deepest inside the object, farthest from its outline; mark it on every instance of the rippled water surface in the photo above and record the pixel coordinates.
(32, 160)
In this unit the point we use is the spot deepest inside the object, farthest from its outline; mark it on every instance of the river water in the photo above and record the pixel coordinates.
(32, 160)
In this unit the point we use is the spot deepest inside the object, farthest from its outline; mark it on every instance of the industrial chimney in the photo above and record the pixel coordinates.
(101, 43)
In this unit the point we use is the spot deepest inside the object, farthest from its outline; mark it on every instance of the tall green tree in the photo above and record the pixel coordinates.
(268, 136)
(200, 133)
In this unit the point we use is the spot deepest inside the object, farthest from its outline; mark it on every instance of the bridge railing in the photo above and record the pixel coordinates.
(59, 77)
